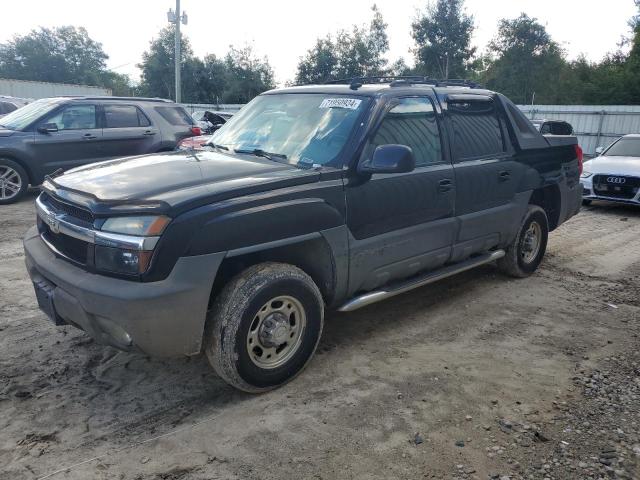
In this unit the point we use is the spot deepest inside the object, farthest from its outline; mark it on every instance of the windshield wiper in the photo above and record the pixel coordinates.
(258, 152)
(215, 145)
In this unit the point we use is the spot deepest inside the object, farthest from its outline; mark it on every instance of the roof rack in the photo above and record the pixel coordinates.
(107, 97)
(404, 80)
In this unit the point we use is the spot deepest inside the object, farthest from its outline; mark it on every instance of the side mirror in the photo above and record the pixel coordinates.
(48, 128)
(390, 159)
(599, 150)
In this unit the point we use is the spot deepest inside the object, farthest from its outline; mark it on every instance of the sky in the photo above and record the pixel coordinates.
(284, 30)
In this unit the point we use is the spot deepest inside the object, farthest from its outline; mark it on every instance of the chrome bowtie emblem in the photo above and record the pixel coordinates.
(619, 180)
(53, 222)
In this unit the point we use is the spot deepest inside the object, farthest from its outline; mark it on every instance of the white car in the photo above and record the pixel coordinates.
(615, 174)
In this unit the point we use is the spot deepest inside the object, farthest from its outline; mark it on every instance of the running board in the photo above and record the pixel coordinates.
(398, 288)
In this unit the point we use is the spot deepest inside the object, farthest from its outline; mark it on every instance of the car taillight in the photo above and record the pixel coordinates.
(580, 156)
(196, 131)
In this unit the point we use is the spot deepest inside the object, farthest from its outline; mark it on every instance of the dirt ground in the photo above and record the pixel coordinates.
(479, 376)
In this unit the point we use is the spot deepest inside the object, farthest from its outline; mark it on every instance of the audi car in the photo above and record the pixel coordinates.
(614, 175)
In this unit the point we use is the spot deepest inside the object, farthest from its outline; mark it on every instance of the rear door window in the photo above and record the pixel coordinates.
(123, 116)
(476, 129)
(175, 115)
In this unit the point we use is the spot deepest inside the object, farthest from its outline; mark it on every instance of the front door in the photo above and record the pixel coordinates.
(401, 224)
(77, 141)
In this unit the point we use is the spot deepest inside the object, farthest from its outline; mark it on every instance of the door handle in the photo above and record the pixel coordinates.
(445, 185)
(149, 133)
(89, 136)
(504, 176)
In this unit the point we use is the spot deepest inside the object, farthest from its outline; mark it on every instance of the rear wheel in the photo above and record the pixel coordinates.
(264, 327)
(525, 253)
(13, 181)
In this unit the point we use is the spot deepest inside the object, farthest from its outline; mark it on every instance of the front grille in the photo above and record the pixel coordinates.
(62, 207)
(616, 186)
(70, 247)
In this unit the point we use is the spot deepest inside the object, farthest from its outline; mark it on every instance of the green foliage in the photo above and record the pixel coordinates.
(61, 55)
(158, 74)
(527, 61)
(356, 53)
(236, 79)
(443, 40)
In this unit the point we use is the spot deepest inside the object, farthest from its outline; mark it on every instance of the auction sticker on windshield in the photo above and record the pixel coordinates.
(350, 103)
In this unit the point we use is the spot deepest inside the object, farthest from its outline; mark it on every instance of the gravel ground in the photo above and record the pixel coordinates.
(480, 376)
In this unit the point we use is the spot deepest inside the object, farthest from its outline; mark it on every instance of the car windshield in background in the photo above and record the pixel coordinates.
(625, 147)
(25, 116)
(301, 129)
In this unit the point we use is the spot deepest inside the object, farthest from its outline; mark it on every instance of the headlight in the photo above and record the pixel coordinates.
(117, 260)
(144, 226)
(586, 174)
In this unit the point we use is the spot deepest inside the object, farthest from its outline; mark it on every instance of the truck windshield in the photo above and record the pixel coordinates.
(305, 130)
(625, 147)
(25, 116)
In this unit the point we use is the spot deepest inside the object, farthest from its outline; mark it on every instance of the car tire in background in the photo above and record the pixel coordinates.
(586, 203)
(14, 181)
(525, 253)
(264, 326)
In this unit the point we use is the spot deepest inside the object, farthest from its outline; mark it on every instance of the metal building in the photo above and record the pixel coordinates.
(35, 90)
(595, 125)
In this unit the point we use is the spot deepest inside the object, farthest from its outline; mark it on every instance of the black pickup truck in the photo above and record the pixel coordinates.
(310, 198)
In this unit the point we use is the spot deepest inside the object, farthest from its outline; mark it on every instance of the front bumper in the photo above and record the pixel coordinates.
(589, 194)
(161, 319)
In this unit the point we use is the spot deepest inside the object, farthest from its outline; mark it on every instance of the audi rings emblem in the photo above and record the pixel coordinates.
(619, 180)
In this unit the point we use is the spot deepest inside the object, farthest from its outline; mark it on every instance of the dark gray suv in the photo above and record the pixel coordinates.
(66, 132)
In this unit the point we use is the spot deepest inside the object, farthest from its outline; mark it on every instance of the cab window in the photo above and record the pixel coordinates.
(476, 129)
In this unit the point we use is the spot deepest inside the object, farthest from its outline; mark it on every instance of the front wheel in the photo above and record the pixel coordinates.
(264, 327)
(525, 253)
(13, 181)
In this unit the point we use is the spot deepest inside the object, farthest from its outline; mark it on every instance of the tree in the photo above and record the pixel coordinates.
(158, 65)
(356, 53)
(443, 40)
(247, 75)
(320, 64)
(528, 62)
(64, 55)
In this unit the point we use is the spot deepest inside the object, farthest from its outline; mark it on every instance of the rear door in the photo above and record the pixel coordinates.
(485, 172)
(127, 131)
(402, 223)
(78, 140)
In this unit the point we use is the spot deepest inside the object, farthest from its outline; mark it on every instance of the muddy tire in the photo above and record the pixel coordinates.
(264, 327)
(14, 181)
(525, 253)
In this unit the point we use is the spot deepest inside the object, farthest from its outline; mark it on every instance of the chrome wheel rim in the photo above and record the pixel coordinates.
(275, 334)
(10, 182)
(531, 241)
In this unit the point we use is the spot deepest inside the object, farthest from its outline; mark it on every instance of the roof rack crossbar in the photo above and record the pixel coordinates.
(403, 80)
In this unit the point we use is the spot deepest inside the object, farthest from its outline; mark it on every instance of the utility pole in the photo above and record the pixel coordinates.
(176, 18)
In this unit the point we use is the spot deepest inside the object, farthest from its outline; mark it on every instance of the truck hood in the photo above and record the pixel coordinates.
(614, 165)
(177, 180)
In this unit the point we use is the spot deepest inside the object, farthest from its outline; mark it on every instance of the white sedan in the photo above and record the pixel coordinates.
(615, 174)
